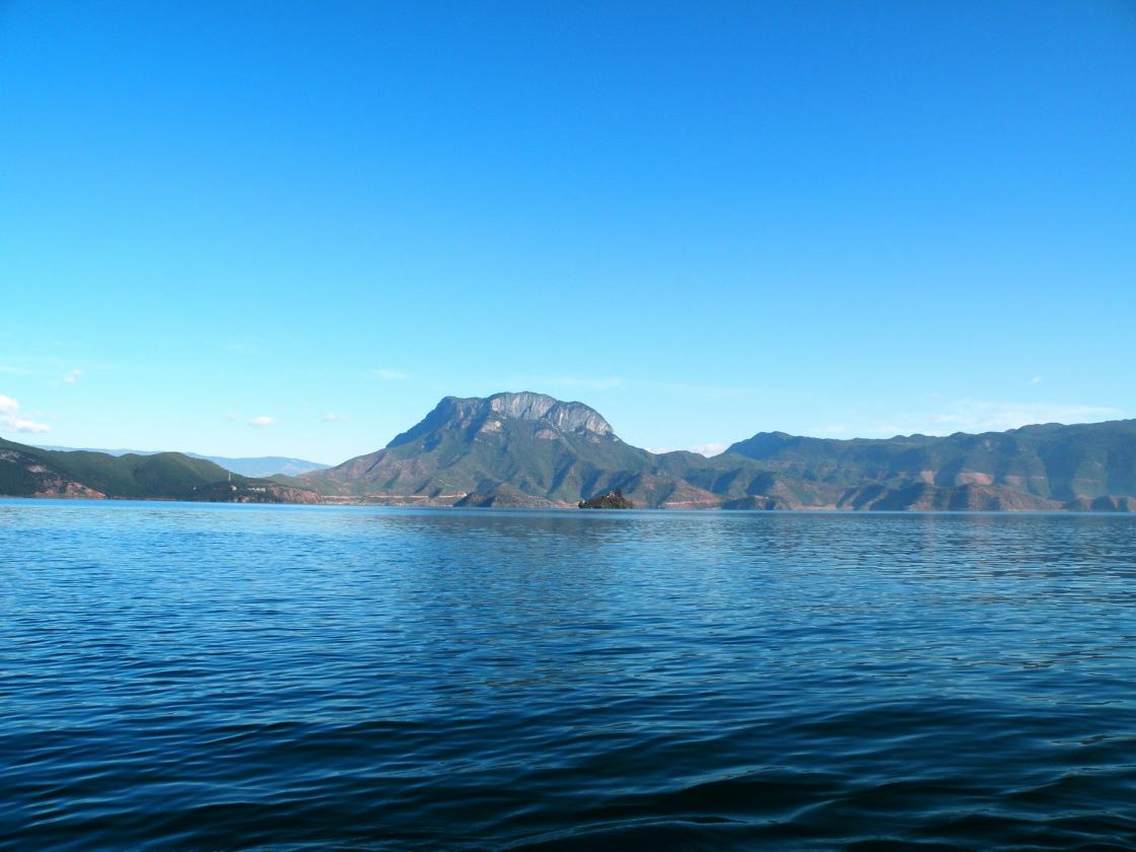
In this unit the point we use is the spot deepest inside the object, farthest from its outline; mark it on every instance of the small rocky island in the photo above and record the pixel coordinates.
(611, 500)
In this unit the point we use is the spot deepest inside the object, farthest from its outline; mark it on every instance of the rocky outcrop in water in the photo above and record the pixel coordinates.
(611, 500)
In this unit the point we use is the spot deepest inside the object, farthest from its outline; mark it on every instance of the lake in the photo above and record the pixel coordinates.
(215, 676)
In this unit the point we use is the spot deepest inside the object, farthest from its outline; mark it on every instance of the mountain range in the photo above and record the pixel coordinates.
(258, 466)
(530, 450)
(527, 449)
(27, 471)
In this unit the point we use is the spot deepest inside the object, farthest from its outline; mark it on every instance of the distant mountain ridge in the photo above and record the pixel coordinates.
(1043, 466)
(528, 449)
(258, 466)
(517, 449)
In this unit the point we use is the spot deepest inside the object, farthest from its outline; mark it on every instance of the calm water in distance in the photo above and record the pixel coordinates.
(200, 676)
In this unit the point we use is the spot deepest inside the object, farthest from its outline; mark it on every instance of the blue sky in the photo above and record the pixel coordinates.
(252, 228)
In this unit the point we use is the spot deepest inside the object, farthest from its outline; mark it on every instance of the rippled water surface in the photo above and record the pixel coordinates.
(222, 676)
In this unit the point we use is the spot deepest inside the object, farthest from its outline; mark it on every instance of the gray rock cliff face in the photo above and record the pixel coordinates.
(565, 416)
(479, 413)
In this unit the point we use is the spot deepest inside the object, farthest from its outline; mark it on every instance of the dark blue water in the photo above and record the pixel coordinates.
(227, 676)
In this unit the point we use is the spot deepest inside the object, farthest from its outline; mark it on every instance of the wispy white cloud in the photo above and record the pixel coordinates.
(703, 391)
(332, 417)
(388, 375)
(831, 430)
(585, 382)
(11, 420)
(9, 370)
(72, 376)
(710, 448)
(972, 415)
(1036, 380)
(561, 385)
(965, 415)
(263, 420)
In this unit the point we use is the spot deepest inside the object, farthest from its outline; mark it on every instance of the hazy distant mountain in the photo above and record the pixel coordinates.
(259, 466)
(27, 471)
(519, 449)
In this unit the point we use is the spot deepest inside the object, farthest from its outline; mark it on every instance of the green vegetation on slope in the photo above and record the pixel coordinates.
(509, 447)
(526, 449)
(1050, 462)
(29, 471)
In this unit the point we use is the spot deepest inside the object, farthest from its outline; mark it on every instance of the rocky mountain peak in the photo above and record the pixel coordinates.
(564, 416)
(462, 413)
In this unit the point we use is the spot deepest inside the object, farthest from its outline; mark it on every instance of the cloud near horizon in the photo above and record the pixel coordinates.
(388, 375)
(11, 420)
(705, 391)
(709, 449)
(562, 387)
(973, 415)
(598, 383)
(263, 420)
